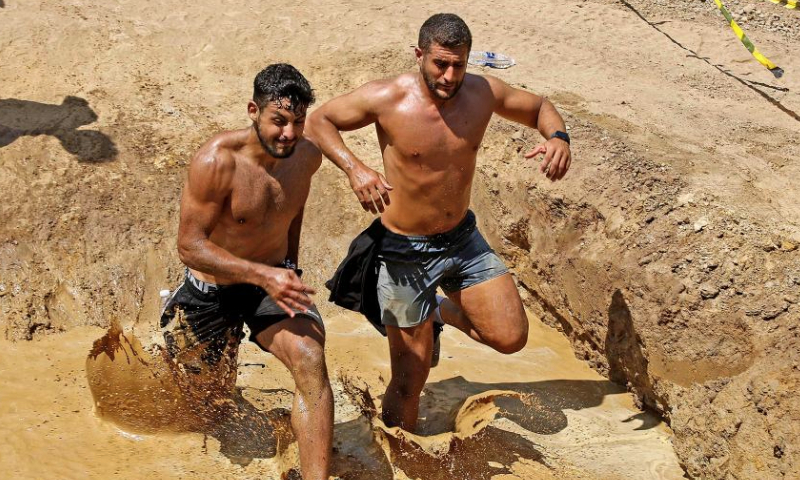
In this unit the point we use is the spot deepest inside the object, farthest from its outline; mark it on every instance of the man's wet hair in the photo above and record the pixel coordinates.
(445, 29)
(281, 81)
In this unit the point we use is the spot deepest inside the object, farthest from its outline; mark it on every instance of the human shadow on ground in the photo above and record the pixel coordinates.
(253, 430)
(538, 407)
(624, 346)
(471, 447)
(457, 436)
(25, 117)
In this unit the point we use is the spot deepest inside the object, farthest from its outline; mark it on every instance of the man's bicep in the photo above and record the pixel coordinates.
(352, 111)
(198, 217)
(203, 198)
(515, 104)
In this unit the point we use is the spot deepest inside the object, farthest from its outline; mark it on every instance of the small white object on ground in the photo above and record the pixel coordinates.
(490, 59)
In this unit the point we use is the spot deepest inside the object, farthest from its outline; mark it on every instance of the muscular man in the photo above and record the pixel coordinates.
(239, 234)
(430, 125)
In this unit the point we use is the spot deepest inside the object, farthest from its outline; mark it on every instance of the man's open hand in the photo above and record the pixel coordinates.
(286, 289)
(371, 188)
(557, 158)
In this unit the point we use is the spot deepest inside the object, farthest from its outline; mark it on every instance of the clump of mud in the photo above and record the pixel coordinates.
(144, 389)
(474, 447)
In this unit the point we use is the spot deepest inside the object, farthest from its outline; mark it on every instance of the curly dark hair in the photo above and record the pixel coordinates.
(282, 81)
(445, 29)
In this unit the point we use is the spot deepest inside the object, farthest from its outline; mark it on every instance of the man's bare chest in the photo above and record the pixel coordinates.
(456, 134)
(258, 198)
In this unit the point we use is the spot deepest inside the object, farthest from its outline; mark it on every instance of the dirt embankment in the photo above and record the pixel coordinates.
(669, 255)
(662, 289)
(672, 264)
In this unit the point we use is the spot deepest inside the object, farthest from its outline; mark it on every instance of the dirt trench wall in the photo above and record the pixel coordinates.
(662, 288)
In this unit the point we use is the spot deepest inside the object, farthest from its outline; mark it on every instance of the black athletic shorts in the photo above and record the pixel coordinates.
(199, 312)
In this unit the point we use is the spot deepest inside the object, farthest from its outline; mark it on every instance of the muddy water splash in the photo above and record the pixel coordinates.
(146, 390)
(472, 448)
(137, 390)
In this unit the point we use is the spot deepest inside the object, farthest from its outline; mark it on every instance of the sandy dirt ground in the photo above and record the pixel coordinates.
(667, 260)
(539, 415)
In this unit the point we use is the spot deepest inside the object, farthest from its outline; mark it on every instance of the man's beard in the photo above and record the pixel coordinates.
(270, 149)
(431, 83)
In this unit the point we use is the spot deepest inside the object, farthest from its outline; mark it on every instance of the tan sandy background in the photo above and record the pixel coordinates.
(666, 261)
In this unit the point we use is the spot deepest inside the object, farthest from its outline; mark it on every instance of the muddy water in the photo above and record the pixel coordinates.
(94, 404)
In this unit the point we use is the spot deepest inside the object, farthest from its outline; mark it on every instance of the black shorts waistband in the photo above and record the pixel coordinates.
(204, 287)
(466, 226)
(207, 287)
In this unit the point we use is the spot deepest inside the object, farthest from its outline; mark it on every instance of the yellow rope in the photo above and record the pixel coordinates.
(776, 70)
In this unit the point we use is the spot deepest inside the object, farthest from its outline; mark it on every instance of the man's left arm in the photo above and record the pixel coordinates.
(535, 112)
(314, 160)
(293, 252)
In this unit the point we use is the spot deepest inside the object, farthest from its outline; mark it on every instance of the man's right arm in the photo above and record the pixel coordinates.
(352, 111)
(208, 186)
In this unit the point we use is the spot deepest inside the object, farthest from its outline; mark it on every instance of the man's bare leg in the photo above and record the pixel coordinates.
(490, 312)
(299, 343)
(410, 350)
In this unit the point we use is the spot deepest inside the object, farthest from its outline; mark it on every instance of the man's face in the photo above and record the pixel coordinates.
(443, 69)
(278, 126)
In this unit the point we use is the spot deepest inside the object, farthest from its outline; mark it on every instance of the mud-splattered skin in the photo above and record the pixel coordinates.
(430, 125)
(245, 190)
(429, 153)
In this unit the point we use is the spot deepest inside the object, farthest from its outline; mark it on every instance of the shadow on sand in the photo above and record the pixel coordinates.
(458, 436)
(246, 432)
(251, 430)
(24, 117)
(539, 407)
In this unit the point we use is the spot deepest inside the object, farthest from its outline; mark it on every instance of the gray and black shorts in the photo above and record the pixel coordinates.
(412, 268)
(202, 313)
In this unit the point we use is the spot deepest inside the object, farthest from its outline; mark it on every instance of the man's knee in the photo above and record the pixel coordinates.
(511, 340)
(509, 345)
(307, 360)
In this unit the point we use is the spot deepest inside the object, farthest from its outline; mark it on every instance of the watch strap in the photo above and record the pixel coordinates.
(561, 136)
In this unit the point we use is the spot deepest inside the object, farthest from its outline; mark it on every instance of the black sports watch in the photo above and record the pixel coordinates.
(288, 264)
(561, 135)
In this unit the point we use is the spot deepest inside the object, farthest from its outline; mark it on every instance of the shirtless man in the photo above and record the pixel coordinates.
(430, 125)
(239, 234)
